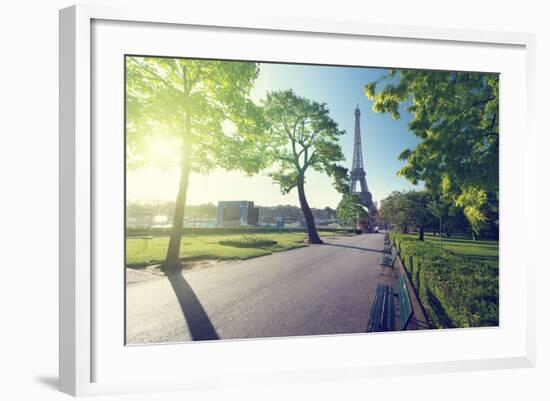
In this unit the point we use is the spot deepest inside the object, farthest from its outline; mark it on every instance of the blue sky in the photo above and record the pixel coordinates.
(341, 88)
(383, 138)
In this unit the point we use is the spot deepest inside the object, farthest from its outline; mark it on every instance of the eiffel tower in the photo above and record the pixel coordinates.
(357, 175)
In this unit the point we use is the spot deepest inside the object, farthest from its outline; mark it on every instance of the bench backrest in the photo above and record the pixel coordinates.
(405, 307)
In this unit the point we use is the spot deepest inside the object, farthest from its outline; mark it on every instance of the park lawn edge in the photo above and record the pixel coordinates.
(455, 291)
(238, 253)
(283, 244)
(218, 258)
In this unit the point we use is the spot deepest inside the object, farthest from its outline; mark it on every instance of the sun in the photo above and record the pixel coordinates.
(163, 152)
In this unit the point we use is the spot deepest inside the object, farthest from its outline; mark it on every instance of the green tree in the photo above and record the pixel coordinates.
(438, 209)
(405, 209)
(418, 211)
(393, 211)
(200, 109)
(455, 115)
(301, 136)
(350, 209)
(472, 201)
(328, 212)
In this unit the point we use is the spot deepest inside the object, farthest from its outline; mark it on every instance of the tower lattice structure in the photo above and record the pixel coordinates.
(358, 180)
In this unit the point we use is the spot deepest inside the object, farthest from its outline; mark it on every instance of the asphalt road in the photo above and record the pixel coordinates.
(319, 289)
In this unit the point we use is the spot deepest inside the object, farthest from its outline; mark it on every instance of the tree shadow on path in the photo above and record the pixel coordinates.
(354, 247)
(199, 323)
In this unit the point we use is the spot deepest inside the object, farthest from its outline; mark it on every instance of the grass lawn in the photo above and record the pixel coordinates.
(141, 252)
(482, 250)
(457, 285)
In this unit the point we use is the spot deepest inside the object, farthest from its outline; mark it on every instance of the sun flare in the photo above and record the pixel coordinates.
(163, 152)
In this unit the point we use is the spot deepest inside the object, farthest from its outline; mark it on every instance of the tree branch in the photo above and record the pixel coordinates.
(483, 101)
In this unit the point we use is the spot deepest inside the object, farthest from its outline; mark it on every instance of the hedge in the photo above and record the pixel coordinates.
(454, 290)
(249, 243)
(165, 231)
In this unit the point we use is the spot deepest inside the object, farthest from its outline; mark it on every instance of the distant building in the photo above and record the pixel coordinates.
(303, 224)
(237, 214)
(279, 222)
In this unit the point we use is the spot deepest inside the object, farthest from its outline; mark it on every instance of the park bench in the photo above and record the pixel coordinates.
(388, 259)
(405, 307)
(382, 310)
(387, 243)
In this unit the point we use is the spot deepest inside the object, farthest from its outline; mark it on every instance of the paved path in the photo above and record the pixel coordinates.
(320, 289)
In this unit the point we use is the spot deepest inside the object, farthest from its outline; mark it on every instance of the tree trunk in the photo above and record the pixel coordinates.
(474, 236)
(310, 222)
(421, 233)
(172, 255)
(440, 233)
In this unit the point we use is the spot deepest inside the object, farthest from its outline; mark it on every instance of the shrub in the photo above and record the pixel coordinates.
(248, 242)
(165, 231)
(454, 290)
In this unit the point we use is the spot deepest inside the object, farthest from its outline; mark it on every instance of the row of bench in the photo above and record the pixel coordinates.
(382, 311)
(390, 254)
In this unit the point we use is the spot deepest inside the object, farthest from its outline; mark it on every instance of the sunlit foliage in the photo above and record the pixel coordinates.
(455, 115)
(194, 114)
(301, 136)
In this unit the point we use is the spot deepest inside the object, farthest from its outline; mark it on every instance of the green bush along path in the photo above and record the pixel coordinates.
(457, 284)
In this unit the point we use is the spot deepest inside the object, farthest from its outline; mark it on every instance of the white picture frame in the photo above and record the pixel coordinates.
(78, 370)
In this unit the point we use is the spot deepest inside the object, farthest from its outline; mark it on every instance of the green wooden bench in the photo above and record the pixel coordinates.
(388, 259)
(382, 310)
(405, 307)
